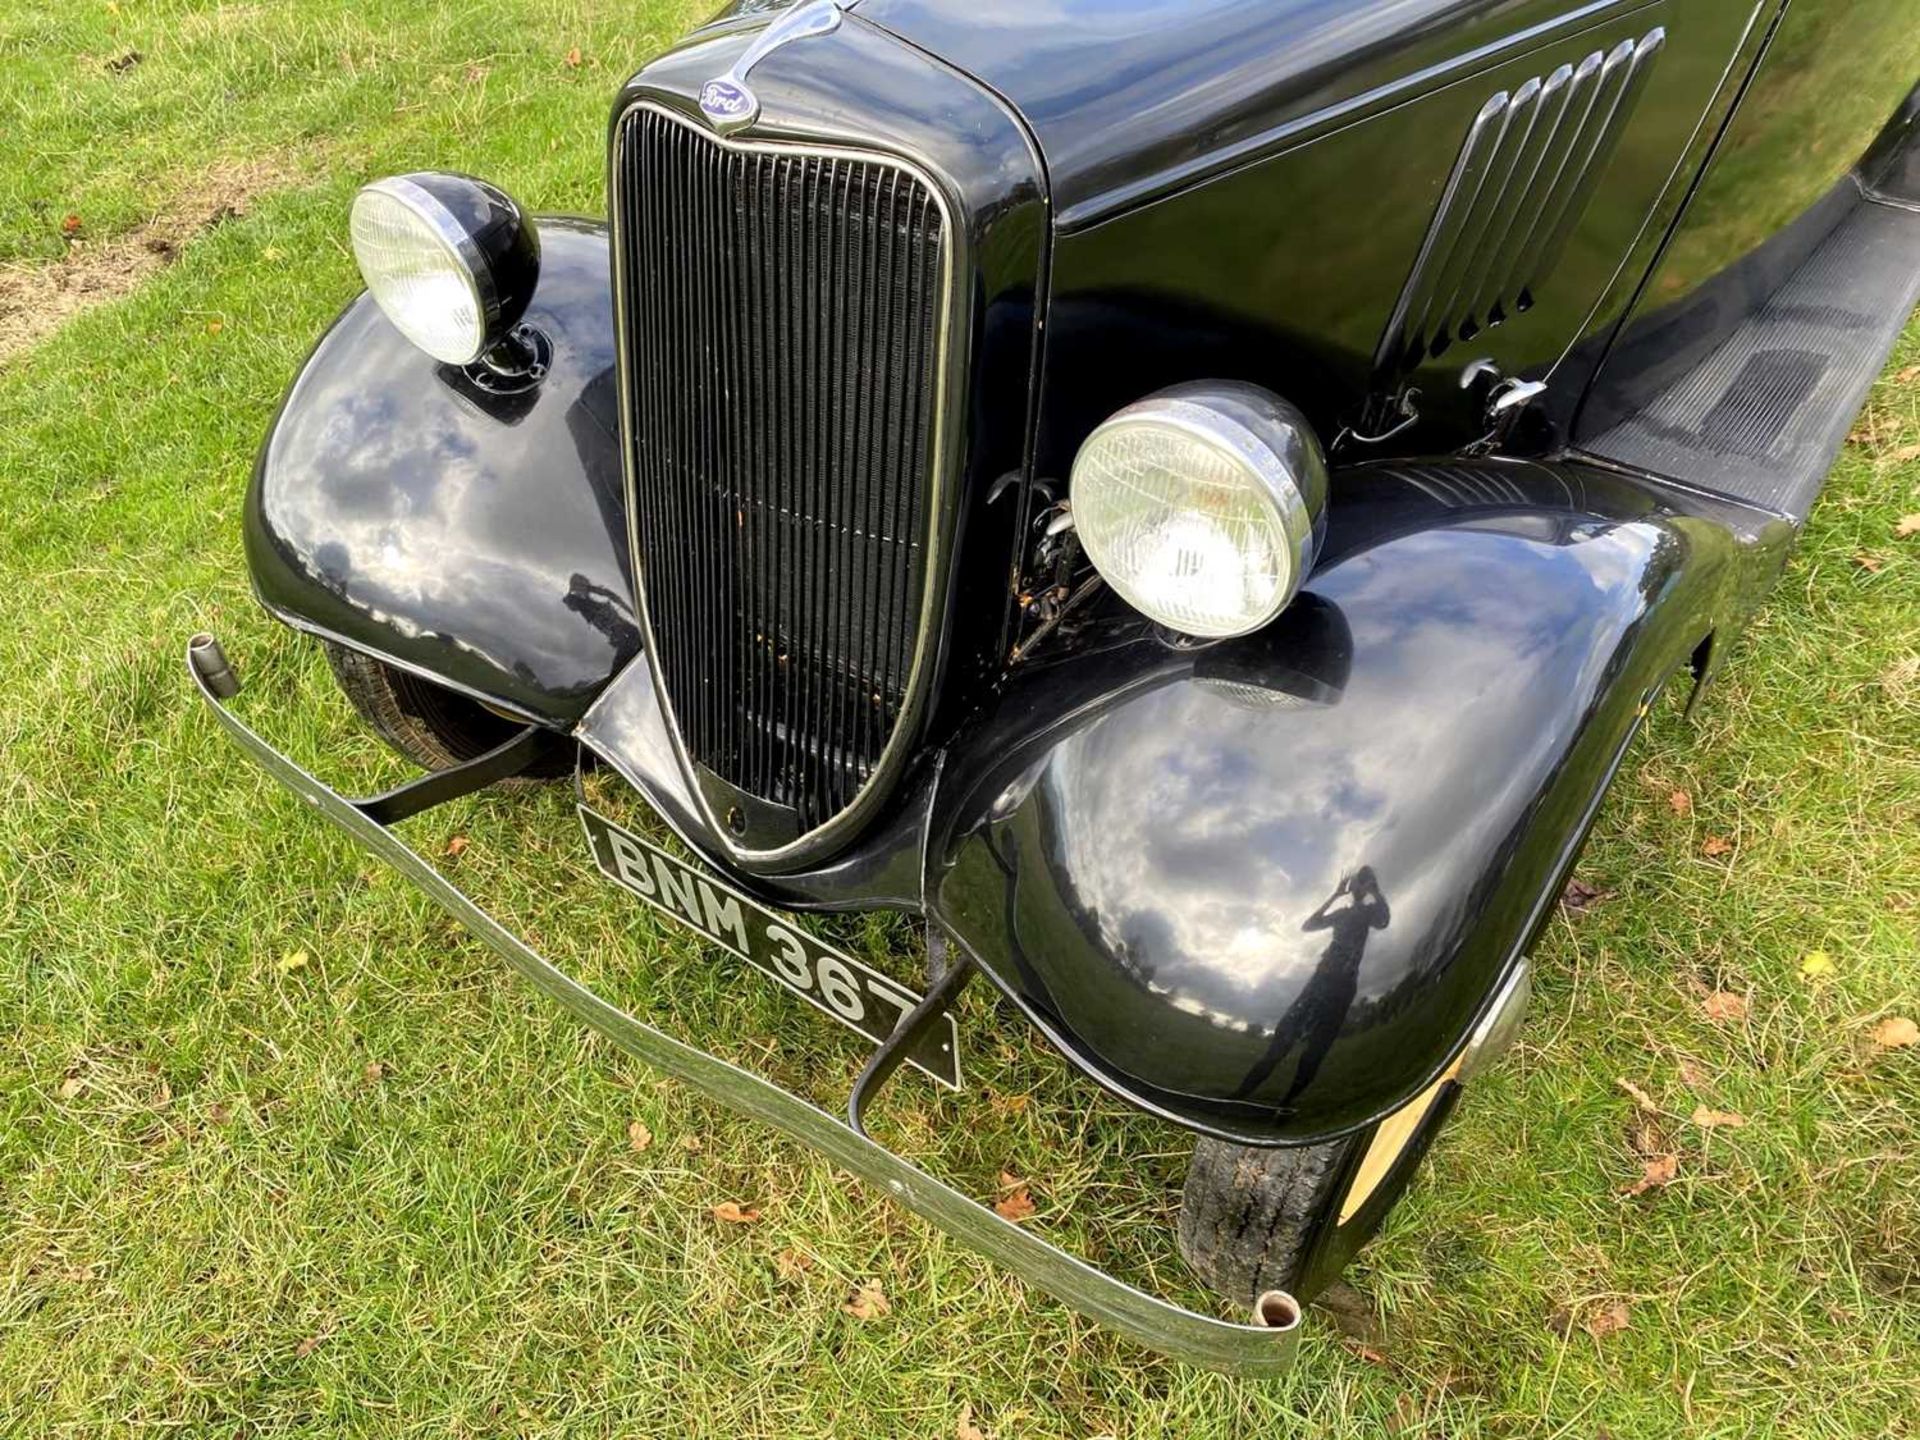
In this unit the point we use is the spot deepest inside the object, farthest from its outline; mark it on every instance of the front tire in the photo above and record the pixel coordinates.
(1254, 1220)
(432, 726)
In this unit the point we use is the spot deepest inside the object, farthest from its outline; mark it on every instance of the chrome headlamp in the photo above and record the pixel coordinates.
(450, 260)
(1202, 505)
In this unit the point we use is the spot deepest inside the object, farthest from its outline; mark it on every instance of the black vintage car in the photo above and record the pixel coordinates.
(1192, 501)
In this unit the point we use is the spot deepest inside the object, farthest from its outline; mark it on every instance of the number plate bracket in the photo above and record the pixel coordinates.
(833, 982)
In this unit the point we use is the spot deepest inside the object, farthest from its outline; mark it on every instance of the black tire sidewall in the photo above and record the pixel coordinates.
(428, 723)
(1334, 1245)
(1305, 1253)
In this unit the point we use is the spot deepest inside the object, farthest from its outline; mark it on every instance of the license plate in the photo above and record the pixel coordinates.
(856, 995)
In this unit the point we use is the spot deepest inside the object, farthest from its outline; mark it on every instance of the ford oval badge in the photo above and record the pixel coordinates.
(728, 105)
(726, 101)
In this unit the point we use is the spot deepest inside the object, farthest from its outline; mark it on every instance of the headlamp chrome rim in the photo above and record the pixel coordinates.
(463, 252)
(1203, 412)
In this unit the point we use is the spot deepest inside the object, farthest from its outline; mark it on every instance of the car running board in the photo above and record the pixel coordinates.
(1762, 417)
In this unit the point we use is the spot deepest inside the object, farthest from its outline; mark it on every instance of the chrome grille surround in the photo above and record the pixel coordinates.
(829, 819)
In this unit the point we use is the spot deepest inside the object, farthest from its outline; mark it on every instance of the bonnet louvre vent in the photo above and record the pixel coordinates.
(1524, 176)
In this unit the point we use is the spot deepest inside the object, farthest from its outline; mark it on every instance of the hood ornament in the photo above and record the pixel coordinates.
(726, 101)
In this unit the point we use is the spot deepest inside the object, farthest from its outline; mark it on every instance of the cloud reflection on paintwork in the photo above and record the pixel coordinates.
(477, 536)
(1195, 837)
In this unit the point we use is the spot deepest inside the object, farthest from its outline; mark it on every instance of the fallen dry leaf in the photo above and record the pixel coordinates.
(1725, 1005)
(1708, 1119)
(1681, 802)
(1904, 454)
(458, 845)
(1816, 965)
(1580, 897)
(307, 1346)
(1868, 561)
(1911, 372)
(1607, 1320)
(1016, 1207)
(638, 1136)
(1716, 845)
(1691, 1075)
(1015, 1203)
(70, 1087)
(691, 1144)
(868, 1302)
(573, 58)
(373, 1072)
(1656, 1172)
(1640, 1097)
(1906, 525)
(292, 962)
(791, 1264)
(735, 1214)
(1646, 1135)
(1896, 1031)
(964, 1428)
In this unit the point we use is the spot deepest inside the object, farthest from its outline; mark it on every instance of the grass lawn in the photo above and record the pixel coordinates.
(281, 1151)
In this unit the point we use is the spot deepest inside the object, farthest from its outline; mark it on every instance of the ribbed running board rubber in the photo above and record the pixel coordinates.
(1762, 417)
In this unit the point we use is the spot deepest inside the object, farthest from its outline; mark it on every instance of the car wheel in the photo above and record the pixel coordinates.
(1254, 1220)
(429, 724)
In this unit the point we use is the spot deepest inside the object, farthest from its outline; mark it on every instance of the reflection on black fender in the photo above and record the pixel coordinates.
(477, 538)
(1265, 887)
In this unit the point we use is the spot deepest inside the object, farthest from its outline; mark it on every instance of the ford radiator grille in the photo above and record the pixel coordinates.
(783, 313)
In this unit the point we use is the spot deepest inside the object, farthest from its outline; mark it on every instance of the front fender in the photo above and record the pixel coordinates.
(1267, 887)
(477, 538)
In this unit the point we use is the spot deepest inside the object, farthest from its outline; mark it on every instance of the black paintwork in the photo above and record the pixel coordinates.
(1297, 296)
(1133, 99)
(1266, 886)
(406, 508)
(1783, 173)
(1344, 827)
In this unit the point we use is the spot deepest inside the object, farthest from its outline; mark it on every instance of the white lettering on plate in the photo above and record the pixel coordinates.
(724, 920)
(791, 958)
(629, 862)
(678, 888)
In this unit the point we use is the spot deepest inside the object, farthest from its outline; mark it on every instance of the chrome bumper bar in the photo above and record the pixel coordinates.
(1261, 1349)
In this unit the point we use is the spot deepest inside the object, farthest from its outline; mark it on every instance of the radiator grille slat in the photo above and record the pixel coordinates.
(782, 341)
